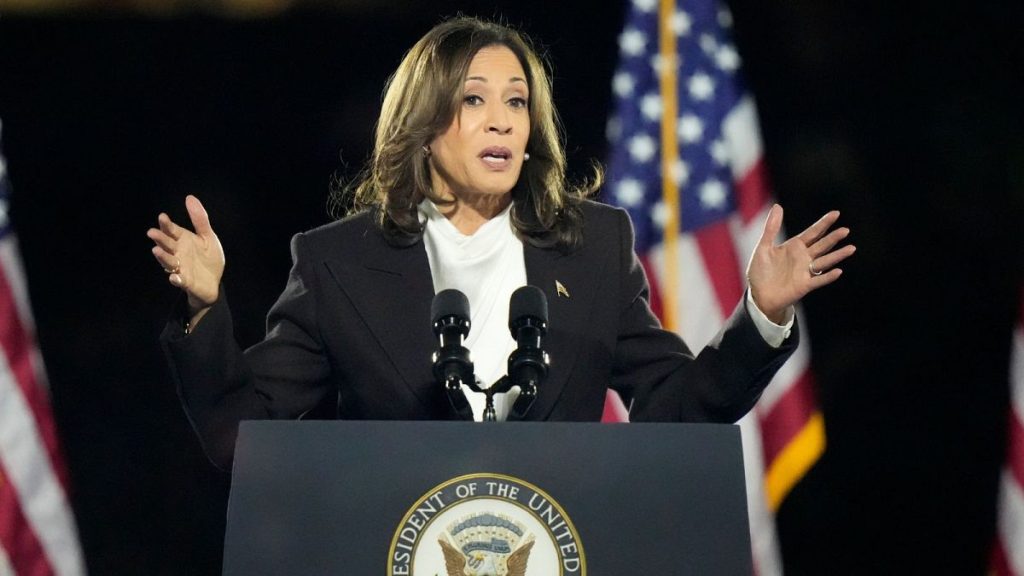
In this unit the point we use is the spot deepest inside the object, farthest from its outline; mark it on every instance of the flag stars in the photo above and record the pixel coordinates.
(680, 23)
(629, 192)
(650, 107)
(724, 18)
(708, 43)
(658, 63)
(727, 59)
(720, 152)
(690, 129)
(712, 194)
(680, 172)
(623, 84)
(613, 129)
(632, 42)
(641, 148)
(660, 214)
(645, 5)
(701, 87)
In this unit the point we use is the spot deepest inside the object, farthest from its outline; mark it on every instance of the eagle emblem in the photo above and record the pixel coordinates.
(486, 545)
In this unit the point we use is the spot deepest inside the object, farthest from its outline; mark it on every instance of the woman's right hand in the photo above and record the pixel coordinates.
(194, 261)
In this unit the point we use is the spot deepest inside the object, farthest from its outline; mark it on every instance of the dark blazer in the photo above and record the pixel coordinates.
(354, 321)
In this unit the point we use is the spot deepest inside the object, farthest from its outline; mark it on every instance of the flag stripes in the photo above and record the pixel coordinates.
(16, 344)
(38, 536)
(787, 417)
(18, 545)
(35, 506)
(686, 163)
(1008, 549)
(719, 255)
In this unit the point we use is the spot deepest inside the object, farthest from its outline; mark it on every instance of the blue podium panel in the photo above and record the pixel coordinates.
(517, 499)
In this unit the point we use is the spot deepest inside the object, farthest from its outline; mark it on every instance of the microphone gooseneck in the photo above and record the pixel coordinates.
(449, 313)
(528, 364)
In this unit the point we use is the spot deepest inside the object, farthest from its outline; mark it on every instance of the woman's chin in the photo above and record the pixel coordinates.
(494, 189)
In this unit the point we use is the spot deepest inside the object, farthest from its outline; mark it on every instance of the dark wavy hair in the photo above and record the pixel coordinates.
(420, 102)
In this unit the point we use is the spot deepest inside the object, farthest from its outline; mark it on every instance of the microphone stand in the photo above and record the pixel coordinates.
(503, 385)
(459, 402)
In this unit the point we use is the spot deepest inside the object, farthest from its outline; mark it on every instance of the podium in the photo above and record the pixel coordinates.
(516, 498)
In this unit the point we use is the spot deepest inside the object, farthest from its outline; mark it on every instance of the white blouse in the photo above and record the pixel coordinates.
(487, 267)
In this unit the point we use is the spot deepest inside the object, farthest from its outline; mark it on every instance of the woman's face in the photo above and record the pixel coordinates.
(481, 153)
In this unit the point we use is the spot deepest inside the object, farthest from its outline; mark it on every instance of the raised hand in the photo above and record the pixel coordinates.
(194, 261)
(781, 275)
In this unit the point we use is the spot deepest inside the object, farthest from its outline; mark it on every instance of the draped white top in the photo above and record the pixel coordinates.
(487, 267)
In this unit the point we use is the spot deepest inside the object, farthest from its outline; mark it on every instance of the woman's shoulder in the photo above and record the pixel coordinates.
(356, 223)
(600, 219)
(600, 211)
(351, 229)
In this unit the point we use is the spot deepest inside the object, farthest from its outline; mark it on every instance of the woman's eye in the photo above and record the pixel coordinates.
(518, 102)
(473, 100)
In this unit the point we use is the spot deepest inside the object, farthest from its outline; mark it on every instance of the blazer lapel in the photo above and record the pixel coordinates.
(392, 289)
(569, 284)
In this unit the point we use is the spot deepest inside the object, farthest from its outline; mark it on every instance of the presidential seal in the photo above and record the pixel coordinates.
(486, 525)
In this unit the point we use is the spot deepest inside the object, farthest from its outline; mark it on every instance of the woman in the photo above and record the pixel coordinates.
(466, 189)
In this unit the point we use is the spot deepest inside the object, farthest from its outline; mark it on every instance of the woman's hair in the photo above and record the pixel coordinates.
(421, 101)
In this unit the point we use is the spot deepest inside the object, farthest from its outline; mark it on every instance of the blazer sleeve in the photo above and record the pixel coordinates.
(659, 376)
(283, 376)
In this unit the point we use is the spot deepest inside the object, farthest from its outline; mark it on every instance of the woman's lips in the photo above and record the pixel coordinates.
(496, 157)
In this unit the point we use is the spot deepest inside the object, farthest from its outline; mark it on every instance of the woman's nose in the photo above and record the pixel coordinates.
(499, 121)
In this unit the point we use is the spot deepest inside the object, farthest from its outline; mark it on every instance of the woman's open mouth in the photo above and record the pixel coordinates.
(496, 157)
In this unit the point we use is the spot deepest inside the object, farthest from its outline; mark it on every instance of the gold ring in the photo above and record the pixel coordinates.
(810, 268)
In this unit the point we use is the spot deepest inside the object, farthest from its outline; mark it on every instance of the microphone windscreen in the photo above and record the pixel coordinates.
(449, 302)
(527, 302)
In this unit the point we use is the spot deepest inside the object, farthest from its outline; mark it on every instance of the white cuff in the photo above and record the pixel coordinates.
(774, 334)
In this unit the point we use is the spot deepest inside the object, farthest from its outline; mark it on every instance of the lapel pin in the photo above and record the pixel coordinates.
(560, 289)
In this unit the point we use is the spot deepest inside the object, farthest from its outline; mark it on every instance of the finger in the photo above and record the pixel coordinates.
(818, 229)
(829, 260)
(167, 261)
(172, 265)
(826, 278)
(162, 240)
(168, 227)
(772, 226)
(200, 218)
(828, 242)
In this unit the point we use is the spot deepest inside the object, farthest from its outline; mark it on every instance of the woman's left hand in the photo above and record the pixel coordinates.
(781, 275)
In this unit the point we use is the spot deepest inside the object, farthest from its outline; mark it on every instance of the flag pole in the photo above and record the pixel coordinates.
(669, 156)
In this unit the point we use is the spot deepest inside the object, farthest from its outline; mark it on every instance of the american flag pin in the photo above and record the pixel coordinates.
(560, 289)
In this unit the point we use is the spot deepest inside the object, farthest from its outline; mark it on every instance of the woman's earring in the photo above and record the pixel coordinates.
(426, 151)
(526, 156)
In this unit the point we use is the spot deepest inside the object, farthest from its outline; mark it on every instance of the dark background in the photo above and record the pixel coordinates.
(906, 118)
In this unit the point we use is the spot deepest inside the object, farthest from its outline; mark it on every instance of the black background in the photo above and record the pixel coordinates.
(906, 118)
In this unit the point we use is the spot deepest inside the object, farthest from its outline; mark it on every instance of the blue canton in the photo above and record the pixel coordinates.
(708, 89)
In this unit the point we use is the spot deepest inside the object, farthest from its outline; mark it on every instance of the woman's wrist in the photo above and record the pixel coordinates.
(193, 318)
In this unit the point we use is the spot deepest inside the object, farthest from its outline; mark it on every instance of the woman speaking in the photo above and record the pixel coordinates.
(467, 190)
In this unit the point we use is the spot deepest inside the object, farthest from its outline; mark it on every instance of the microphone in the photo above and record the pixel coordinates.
(449, 313)
(528, 364)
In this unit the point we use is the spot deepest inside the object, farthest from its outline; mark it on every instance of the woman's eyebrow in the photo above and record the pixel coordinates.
(482, 79)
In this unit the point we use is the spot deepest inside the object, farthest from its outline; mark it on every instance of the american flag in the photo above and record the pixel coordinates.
(37, 530)
(1008, 553)
(686, 163)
